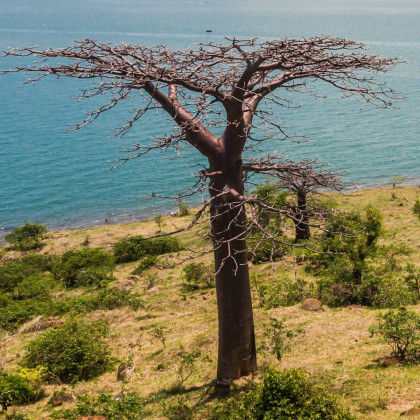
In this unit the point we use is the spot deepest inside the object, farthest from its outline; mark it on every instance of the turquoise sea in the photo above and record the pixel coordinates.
(59, 178)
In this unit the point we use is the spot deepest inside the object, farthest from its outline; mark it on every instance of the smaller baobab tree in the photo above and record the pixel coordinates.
(222, 99)
(303, 179)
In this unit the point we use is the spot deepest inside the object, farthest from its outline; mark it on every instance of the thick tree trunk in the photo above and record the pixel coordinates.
(237, 353)
(302, 231)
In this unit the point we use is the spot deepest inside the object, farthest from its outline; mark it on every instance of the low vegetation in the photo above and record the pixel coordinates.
(283, 395)
(135, 247)
(73, 352)
(401, 330)
(74, 312)
(26, 237)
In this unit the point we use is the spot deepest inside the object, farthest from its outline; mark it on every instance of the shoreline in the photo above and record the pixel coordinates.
(132, 217)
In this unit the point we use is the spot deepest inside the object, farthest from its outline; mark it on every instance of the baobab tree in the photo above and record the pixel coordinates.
(219, 96)
(303, 178)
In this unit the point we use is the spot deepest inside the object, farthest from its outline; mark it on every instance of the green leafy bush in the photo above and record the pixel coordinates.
(70, 353)
(106, 299)
(401, 330)
(412, 278)
(26, 237)
(272, 195)
(279, 337)
(343, 264)
(84, 268)
(147, 262)
(13, 272)
(416, 208)
(283, 395)
(262, 250)
(37, 286)
(179, 409)
(16, 312)
(15, 416)
(284, 293)
(198, 276)
(182, 209)
(20, 388)
(136, 247)
(125, 406)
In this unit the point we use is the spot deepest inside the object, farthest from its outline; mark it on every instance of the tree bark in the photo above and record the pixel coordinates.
(237, 353)
(302, 231)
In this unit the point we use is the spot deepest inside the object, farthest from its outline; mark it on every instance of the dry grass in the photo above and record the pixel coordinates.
(336, 347)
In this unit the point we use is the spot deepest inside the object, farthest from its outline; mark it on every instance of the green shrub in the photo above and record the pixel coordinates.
(26, 237)
(264, 250)
(182, 209)
(17, 312)
(272, 195)
(352, 235)
(391, 293)
(401, 330)
(106, 299)
(412, 278)
(125, 406)
(136, 247)
(279, 337)
(282, 395)
(343, 265)
(84, 268)
(15, 416)
(148, 261)
(376, 287)
(37, 286)
(416, 207)
(198, 276)
(13, 272)
(72, 352)
(178, 410)
(20, 388)
(284, 293)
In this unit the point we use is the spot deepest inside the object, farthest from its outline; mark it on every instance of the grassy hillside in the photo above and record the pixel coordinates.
(173, 335)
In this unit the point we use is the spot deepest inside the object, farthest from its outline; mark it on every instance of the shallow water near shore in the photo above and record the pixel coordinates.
(59, 178)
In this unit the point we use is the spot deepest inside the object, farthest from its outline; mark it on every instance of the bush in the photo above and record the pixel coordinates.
(401, 330)
(15, 313)
(70, 353)
(284, 293)
(279, 337)
(106, 299)
(136, 247)
(379, 285)
(182, 209)
(35, 286)
(179, 410)
(343, 264)
(13, 272)
(283, 395)
(271, 194)
(198, 276)
(264, 250)
(84, 268)
(15, 416)
(20, 388)
(416, 207)
(125, 406)
(26, 237)
(148, 261)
